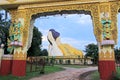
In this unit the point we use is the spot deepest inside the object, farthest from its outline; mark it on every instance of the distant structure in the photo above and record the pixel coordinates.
(56, 48)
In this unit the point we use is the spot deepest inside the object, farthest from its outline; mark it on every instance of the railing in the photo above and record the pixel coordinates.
(36, 64)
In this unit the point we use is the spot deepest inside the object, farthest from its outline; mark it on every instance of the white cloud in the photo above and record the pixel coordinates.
(80, 18)
(84, 19)
(44, 34)
(44, 31)
(70, 15)
(45, 45)
(78, 44)
(44, 38)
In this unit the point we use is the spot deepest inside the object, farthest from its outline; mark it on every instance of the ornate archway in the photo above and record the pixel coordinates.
(104, 16)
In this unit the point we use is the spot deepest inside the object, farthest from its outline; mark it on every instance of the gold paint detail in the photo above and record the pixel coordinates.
(114, 7)
(23, 14)
(19, 56)
(21, 2)
(106, 55)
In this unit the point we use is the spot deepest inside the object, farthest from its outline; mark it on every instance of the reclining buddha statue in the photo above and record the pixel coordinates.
(57, 48)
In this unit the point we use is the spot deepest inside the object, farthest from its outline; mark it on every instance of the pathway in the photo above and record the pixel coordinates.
(68, 74)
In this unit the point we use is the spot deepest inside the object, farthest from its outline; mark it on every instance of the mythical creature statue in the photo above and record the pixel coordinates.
(106, 26)
(15, 35)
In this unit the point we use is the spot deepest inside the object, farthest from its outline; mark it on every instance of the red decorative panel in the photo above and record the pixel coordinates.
(19, 67)
(106, 69)
(6, 67)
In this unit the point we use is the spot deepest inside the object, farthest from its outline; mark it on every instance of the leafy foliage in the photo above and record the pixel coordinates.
(35, 49)
(44, 52)
(92, 51)
(117, 54)
(4, 30)
(117, 51)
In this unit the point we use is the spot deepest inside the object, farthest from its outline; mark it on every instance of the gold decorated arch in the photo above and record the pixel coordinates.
(95, 7)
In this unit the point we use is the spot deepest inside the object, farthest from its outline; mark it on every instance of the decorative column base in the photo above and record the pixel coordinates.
(19, 64)
(107, 60)
(106, 69)
(6, 65)
(19, 68)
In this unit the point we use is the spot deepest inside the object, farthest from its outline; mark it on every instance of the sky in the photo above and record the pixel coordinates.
(75, 29)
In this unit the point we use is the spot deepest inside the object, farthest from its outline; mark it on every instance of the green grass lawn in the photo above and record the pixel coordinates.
(74, 66)
(48, 69)
(95, 75)
(118, 73)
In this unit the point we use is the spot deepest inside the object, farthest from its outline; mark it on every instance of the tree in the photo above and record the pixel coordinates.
(117, 51)
(92, 51)
(4, 30)
(44, 52)
(117, 54)
(35, 49)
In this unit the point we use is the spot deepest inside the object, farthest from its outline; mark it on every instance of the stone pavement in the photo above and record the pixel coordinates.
(67, 74)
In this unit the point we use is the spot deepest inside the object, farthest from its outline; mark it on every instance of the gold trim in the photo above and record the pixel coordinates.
(19, 56)
(106, 55)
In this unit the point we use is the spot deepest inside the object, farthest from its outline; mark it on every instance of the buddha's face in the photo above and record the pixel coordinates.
(52, 36)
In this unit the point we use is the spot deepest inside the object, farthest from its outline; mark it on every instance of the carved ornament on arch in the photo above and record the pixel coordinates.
(93, 8)
(114, 12)
(16, 14)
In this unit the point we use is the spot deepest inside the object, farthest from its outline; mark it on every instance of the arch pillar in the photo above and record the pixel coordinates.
(106, 35)
(18, 47)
